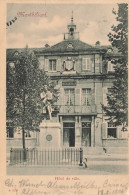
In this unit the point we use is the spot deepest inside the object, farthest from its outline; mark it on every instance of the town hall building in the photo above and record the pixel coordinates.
(84, 78)
(84, 74)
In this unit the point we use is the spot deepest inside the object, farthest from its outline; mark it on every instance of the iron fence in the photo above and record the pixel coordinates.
(47, 156)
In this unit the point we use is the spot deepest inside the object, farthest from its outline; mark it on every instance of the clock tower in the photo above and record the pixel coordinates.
(71, 34)
(72, 29)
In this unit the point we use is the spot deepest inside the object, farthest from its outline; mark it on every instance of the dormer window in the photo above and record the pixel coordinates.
(70, 45)
(16, 53)
(109, 50)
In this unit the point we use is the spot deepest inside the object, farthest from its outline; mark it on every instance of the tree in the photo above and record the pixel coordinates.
(25, 82)
(117, 108)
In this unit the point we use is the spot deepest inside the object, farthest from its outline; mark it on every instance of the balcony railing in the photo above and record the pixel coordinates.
(65, 109)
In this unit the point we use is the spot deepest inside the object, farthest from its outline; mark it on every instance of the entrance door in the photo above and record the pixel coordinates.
(72, 137)
(69, 134)
(86, 134)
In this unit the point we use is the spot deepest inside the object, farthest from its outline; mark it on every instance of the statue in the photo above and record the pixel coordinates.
(46, 97)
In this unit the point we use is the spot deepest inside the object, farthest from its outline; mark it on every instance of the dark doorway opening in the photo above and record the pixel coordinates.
(69, 134)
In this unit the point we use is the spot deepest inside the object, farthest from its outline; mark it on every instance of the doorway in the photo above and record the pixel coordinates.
(86, 134)
(69, 134)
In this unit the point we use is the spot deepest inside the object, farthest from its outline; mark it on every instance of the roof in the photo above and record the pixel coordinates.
(11, 52)
(76, 45)
(110, 51)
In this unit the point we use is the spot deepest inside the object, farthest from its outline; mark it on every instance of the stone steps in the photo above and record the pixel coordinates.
(117, 150)
(108, 150)
(93, 150)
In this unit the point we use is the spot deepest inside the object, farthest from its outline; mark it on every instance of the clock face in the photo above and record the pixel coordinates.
(69, 64)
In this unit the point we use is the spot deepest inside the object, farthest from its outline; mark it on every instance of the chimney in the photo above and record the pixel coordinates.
(97, 43)
(46, 45)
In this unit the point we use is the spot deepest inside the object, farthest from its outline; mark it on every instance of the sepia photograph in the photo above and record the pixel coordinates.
(66, 90)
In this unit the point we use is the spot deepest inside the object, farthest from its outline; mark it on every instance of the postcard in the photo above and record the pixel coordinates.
(64, 98)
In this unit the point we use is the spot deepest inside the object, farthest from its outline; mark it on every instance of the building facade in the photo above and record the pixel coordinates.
(84, 74)
(83, 77)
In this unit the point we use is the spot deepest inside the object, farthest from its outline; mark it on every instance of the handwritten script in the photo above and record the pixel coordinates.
(57, 186)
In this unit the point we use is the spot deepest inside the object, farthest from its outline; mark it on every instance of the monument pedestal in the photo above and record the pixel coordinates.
(50, 134)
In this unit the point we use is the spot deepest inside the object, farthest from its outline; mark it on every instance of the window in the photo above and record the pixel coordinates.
(86, 97)
(69, 97)
(110, 50)
(86, 64)
(111, 131)
(10, 132)
(52, 65)
(110, 67)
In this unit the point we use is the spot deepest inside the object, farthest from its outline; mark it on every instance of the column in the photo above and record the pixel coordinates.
(80, 128)
(77, 132)
(93, 132)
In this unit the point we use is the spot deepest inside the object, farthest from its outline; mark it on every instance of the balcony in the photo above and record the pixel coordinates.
(77, 109)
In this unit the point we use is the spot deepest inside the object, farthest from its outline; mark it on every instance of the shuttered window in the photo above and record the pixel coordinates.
(69, 97)
(86, 97)
(111, 130)
(58, 66)
(86, 64)
(52, 65)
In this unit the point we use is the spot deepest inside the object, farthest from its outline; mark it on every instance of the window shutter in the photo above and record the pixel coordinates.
(105, 96)
(100, 64)
(97, 59)
(41, 62)
(88, 64)
(92, 96)
(58, 65)
(104, 130)
(109, 65)
(92, 65)
(97, 63)
(46, 64)
(77, 96)
(84, 63)
(89, 97)
(77, 100)
(62, 96)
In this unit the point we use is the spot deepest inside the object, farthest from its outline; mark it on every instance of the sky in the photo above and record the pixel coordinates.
(93, 23)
